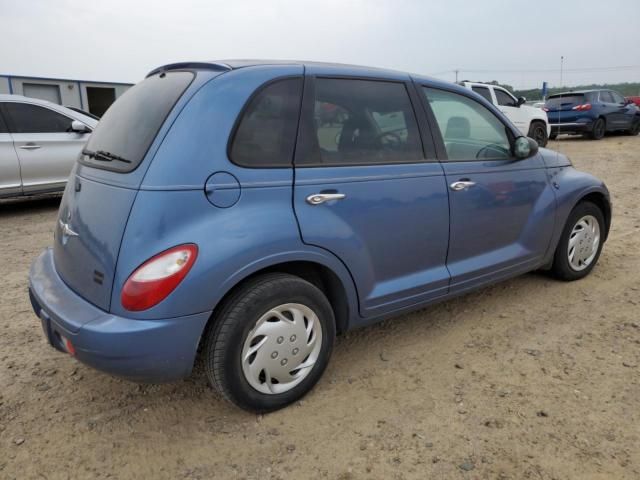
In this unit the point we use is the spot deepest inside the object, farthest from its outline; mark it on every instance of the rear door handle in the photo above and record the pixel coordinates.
(318, 198)
(29, 146)
(461, 185)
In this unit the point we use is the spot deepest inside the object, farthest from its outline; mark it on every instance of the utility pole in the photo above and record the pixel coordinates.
(561, 69)
(456, 74)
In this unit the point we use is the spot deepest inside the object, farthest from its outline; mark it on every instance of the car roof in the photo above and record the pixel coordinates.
(324, 67)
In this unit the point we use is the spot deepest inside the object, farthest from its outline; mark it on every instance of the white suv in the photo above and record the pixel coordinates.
(531, 121)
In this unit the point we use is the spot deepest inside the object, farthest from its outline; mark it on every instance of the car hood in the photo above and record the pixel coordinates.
(552, 158)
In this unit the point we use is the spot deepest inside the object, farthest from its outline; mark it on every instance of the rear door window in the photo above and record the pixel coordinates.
(504, 98)
(484, 91)
(29, 118)
(469, 130)
(266, 134)
(130, 125)
(360, 122)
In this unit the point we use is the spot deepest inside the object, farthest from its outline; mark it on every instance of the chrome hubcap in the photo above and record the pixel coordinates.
(282, 348)
(583, 242)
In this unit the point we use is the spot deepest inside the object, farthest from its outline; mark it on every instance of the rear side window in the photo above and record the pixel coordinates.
(504, 98)
(28, 118)
(130, 125)
(266, 134)
(360, 122)
(469, 130)
(606, 97)
(484, 91)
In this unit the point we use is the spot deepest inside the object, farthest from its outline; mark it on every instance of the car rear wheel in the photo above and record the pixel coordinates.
(598, 130)
(538, 131)
(580, 244)
(270, 342)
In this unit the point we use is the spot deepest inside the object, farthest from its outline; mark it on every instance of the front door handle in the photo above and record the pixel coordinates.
(461, 185)
(29, 146)
(318, 198)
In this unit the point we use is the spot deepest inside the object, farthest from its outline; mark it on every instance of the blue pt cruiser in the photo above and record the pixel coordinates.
(249, 211)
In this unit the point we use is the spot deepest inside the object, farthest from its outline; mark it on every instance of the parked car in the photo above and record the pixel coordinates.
(530, 121)
(251, 222)
(39, 144)
(591, 113)
(635, 100)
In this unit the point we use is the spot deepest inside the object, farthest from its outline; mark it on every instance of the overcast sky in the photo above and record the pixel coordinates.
(517, 42)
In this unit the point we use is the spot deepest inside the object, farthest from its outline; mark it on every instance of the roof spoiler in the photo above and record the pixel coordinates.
(218, 67)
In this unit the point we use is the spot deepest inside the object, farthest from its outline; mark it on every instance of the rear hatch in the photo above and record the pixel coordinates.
(560, 108)
(103, 185)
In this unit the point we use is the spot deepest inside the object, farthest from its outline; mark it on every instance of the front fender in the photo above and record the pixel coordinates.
(571, 186)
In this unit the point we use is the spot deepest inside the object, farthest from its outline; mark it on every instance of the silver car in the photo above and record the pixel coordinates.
(39, 143)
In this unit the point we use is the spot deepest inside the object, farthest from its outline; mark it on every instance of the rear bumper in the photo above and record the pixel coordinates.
(140, 350)
(580, 126)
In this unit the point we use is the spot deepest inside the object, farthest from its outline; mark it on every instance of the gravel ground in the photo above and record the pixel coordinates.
(531, 378)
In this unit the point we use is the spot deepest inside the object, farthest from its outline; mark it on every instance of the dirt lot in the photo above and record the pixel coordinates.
(531, 378)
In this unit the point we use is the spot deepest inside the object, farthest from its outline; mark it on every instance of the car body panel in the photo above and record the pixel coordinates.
(502, 222)
(391, 230)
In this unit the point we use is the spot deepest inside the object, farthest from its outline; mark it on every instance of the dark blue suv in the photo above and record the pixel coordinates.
(591, 113)
(250, 211)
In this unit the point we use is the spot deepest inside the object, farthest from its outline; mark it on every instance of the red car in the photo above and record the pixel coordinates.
(635, 100)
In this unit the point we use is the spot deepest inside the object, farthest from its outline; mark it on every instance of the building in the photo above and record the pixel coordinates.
(94, 97)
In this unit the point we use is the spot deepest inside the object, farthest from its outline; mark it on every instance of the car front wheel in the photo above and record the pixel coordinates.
(580, 244)
(270, 342)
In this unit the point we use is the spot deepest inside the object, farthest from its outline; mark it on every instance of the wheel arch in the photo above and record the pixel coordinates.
(602, 202)
(319, 268)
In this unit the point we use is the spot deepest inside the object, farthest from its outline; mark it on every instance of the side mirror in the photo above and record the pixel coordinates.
(521, 101)
(79, 127)
(525, 147)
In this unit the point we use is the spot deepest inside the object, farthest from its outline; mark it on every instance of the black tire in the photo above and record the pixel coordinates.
(635, 128)
(538, 131)
(598, 130)
(237, 317)
(553, 136)
(561, 268)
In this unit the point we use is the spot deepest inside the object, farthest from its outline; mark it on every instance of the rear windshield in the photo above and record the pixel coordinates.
(125, 132)
(564, 100)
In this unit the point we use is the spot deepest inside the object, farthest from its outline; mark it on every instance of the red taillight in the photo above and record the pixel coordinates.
(69, 346)
(156, 278)
(583, 107)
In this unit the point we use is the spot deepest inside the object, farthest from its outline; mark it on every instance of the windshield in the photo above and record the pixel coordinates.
(125, 132)
(567, 100)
